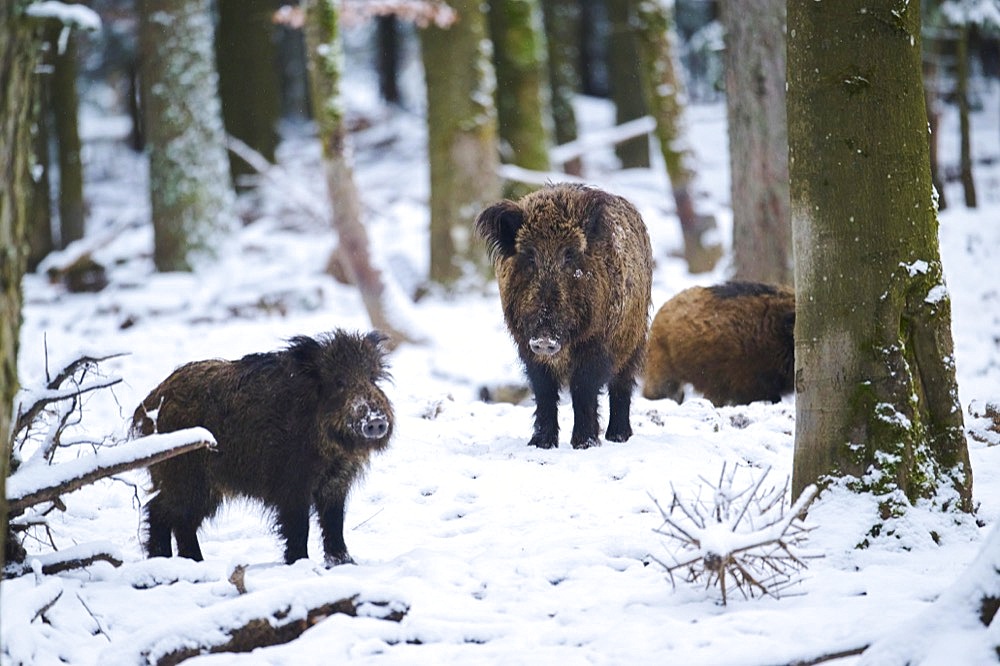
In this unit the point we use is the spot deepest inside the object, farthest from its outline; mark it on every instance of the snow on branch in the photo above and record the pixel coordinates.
(34, 484)
(77, 557)
(70, 15)
(602, 138)
(743, 535)
(259, 619)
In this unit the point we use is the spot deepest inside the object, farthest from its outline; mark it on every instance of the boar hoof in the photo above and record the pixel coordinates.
(590, 442)
(545, 346)
(618, 436)
(543, 442)
(336, 560)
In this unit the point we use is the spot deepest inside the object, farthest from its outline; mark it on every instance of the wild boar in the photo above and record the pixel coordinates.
(295, 429)
(574, 268)
(733, 342)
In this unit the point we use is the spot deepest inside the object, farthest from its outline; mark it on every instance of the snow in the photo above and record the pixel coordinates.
(501, 553)
(68, 14)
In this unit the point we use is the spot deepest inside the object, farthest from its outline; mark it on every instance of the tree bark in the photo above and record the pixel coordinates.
(626, 83)
(40, 238)
(388, 55)
(758, 140)
(190, 191)
(877, 399)
(519, 58)
(65, 112)
(665, 99)
(248, 78)
(962, 93)
(562, 30)
(461, 138)
(18, 55)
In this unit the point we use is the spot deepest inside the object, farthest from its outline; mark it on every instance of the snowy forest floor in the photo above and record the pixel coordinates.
(502, 553)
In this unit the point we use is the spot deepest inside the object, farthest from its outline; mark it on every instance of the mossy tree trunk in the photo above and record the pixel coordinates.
(190, 189)
(877, 399)
(758, 139)
(65, 106)
(665, 99)
(520, 63)
(248, 78)
(18, 56)
(626, 82)
(562, 31)
(461, 137)
(325, 61)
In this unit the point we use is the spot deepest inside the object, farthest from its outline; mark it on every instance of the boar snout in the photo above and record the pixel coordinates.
(545, 346)
(372, 423)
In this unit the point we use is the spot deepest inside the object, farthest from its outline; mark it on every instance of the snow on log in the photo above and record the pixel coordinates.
(76, 557)
(259, 619)
(40, 483)
(20, 608)
(960, 627)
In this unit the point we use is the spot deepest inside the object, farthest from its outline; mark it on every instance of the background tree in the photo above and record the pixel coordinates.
(877, 400)
(562, 30)
(665, 99)
(40, 238)
(626, 82)
(519, 58)
(461, 136)
(248, 78)
(190, 190)
(388, 54)
(758, 139)
(64, 109)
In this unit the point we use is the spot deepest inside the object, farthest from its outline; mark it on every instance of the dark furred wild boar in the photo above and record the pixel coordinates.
(295, 428)
(733, 342)
(574, 267)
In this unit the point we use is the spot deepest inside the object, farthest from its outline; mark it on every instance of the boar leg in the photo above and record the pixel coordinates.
(546, 389)
(158, 530)
(620, 402)
(590, 375)
(293, 525)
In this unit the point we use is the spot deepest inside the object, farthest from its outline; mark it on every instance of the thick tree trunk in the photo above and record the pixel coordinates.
(18, 55)
(758, 140)
(877, 400)
(325, 60)
(461, 137)
(519, 58)
(626, 83)
(65, 112)
(190, 189)
(665, 99)
(562, 30)
(248, 78)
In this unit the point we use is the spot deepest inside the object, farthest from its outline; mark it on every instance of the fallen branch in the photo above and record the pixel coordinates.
(77, 557)
(42, 483)
(602, 138)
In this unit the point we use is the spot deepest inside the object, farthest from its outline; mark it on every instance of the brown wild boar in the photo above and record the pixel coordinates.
(295, 428)
(574, 267)
(733, 342)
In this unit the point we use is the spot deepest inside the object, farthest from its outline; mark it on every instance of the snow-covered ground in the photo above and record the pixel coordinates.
(502, 553)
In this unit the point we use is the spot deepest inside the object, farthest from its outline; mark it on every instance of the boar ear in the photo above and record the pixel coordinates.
(307, 353)
(498, 224)
(595, 213)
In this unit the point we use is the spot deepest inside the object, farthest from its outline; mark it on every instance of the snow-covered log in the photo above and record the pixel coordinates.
(67, 559)
(34, 484)
(960, 627)
(259, 619)
(21, 607)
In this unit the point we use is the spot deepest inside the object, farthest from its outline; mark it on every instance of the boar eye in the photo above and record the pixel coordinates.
(528, 257)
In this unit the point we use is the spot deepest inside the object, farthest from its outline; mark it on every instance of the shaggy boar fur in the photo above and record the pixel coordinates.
(733, 342)
(574, 267)
(294, 427)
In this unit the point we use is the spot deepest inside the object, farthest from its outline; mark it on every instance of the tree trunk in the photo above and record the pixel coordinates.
(388, 53)
(461, 138)
(932, 103)
(758, 140)
(626, 84)
(190, 191)
(519, 58)
(962, 93)
(877, 400)
(18, 55)
(65, 111)
(325, 58)
(40, 238)
(665, 98)
(562, 30)
(248, 78)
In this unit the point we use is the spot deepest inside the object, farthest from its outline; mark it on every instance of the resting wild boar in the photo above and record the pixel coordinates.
(733, 342)
(295, 428)
(574, 268)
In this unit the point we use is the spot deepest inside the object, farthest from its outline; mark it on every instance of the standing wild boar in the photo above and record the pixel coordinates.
(295, 428)
(733, 342)
(574, 267)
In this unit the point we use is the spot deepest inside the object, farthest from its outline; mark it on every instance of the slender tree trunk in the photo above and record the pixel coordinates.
(65, 110)
(40, 239)
(248, 78)
(523, 111)
(758, 139)
(325, 60)
(388, 53)
(190, 189)
(18, 55)
(932, 102)
(562, 30)
(626, 82)
(461, 137)
(962, 93)
(665, 99)
(877, 400)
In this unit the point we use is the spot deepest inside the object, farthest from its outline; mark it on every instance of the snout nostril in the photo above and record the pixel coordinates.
(544, 346)
(375, 428)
